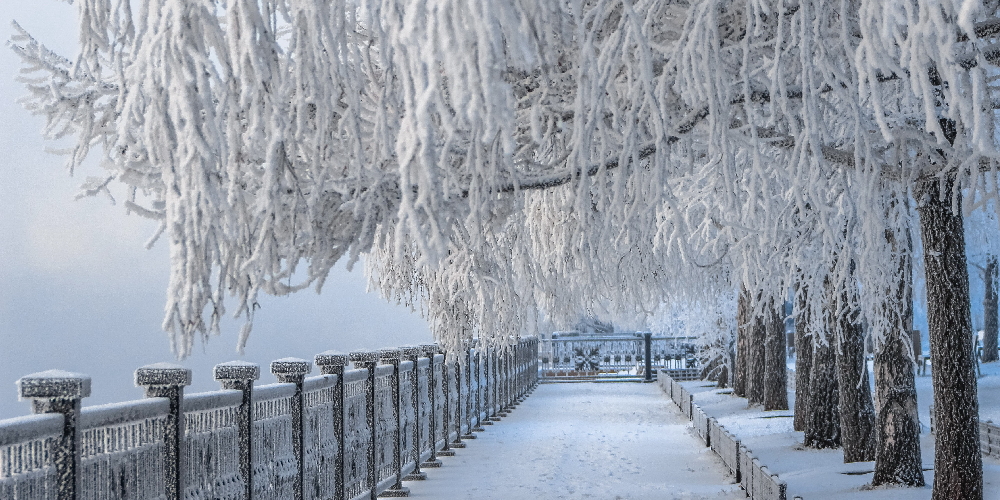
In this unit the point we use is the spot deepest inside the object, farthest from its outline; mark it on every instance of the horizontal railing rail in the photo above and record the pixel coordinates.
(355, 431)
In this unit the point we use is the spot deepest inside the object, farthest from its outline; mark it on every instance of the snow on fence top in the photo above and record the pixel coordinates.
(349, 433)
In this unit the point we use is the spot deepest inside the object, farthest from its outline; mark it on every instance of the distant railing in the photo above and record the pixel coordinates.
(346, 434)
(618, 355)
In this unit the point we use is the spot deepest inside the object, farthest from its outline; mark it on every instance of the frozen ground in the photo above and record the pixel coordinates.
(822, 473)
(584, 440)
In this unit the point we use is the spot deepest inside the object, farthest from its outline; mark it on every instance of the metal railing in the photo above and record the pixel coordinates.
(618, 355)
(349, 433)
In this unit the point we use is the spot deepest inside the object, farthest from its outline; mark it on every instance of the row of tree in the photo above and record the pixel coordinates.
(502, 163)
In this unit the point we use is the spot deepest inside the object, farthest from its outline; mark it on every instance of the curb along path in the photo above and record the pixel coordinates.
(753, 477)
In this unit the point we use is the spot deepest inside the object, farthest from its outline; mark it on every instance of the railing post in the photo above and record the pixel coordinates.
(393, 356)
(240, 375)
(469, 396)
(58, 391)
(647, 359)
(495, 389)
(366, 360)
(430, 350)
(446, 450)
(333, 363)
(412, 354)
(165, 380)
(457, 412)
(480, 404)
(294, 371)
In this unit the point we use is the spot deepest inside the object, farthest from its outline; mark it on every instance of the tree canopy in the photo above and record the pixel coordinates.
(497, 159)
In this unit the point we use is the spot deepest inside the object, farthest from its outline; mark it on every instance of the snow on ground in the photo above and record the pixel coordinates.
(584, 440)
(822, 473)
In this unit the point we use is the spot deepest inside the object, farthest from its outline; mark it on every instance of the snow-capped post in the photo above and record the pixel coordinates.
(240, 375)
(430, 350)
(393, 356)
(58, 391)
(333, 363)
(166, 380)
(446, 412)
(366, 360)
(413, 355)
(294, 371)
(647, 340)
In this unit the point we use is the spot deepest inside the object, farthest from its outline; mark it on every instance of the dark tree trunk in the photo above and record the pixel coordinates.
(803, 359)
(990, 312)
(958, 465)
(775, 360)
(743, 319)
(756, 362)
(897, 455)
(822, 417)
(857, 411)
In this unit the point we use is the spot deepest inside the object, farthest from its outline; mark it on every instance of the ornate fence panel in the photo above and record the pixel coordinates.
(274, 461)
(453, 410)
(385, 423)
(989, 439)
(357, 434)
(122, 449)
(319, 440)
(27, 469)
(424, 397)
(407, 416)
(211, 450)
(439, 422)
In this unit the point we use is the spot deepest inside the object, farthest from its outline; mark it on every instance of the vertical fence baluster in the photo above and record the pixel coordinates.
(366, 360)
(393, 356)
(412, 354)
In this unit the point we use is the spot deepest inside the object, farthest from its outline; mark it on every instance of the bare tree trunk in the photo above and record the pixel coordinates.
(857, 411)
(775, 360)
(897, 455)
(990, 312)
(958, 465)
(822, 417)
(742, 324)
(756, 361)
(803, 359)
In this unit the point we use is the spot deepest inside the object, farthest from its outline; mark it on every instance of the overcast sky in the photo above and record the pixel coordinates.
(79, 292)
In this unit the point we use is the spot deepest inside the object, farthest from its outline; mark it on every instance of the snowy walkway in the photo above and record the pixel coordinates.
(585, 440)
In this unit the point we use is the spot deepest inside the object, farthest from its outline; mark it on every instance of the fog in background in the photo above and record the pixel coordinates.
(79, 292)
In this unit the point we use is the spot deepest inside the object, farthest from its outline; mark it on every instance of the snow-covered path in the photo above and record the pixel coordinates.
(583, 440)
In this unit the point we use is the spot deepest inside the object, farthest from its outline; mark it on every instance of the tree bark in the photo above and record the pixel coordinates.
(823, 415)
(756, 362)
(857, 411)
(897, 453)
(958, 466)
(803, 360)
(990, 326)
(775, 360)
(742, 324)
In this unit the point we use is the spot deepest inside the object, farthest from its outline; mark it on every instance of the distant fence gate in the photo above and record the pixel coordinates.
(580, 356)
(346, 434)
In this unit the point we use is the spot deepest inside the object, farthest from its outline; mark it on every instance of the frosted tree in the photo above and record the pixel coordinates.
(497, 158)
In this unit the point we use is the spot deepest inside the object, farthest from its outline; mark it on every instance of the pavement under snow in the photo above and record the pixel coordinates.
(584, 440)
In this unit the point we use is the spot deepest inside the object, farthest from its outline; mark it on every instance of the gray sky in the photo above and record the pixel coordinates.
(79, 292)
